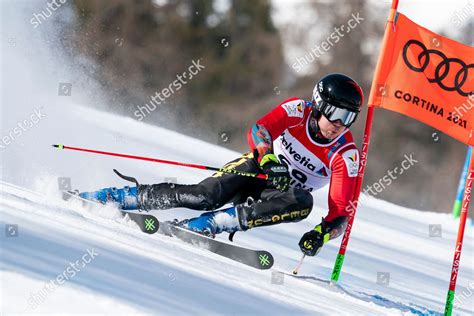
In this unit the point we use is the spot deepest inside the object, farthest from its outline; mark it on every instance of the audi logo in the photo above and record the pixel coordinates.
(443, 68)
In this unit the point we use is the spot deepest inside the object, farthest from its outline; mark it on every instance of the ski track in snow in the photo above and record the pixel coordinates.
(135, 272)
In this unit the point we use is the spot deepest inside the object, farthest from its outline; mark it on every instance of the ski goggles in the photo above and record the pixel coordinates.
(333, 114)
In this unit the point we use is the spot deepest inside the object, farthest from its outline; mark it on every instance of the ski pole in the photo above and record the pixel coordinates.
(295, 271)
(168, 162)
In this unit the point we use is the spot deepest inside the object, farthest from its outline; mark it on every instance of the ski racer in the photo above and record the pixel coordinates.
(300, 145)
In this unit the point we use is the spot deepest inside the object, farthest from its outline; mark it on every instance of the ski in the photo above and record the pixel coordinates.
(259, 259)
(148, 224)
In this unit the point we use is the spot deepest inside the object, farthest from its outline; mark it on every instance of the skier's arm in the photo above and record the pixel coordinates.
(340, 200)
(259, 139)
(341, 191)
(312, 241)
(277, 173)
(261, 135)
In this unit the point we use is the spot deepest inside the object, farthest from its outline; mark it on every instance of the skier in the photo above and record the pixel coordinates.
(300, 145)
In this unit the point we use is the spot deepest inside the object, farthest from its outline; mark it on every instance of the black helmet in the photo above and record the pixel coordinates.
(338, 97)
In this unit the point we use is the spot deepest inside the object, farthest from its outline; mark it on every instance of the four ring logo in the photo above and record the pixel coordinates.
(442, 69)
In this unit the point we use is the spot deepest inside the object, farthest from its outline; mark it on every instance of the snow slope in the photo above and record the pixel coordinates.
(135, 272)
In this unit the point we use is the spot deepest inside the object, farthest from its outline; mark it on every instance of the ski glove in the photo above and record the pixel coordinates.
(278, 175)
(312, 241)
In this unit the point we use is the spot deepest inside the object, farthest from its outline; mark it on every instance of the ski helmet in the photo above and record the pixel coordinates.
(337, 97)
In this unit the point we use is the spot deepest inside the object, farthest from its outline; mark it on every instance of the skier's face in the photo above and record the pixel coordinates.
(329, 129)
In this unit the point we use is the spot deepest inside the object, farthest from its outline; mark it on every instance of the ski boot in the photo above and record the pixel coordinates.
(211, 223)
(125, 198)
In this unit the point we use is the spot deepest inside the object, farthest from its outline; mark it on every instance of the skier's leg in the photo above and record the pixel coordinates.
(276, 207)
(272, 208)
(209, 194)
